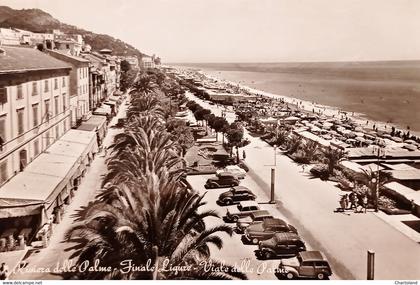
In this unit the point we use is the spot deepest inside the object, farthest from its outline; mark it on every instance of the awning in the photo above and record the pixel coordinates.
(95, 123)
(46, 179)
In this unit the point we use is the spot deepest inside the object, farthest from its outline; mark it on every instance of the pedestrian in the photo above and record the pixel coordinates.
(346, 201)
(342, 205)
(359, 204)
(4, 271)
(303, 168)
(365, 202)
(243, 154)
(352, 200)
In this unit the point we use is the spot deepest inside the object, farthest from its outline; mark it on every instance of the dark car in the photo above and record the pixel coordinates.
(224, 180)
(307, 264)
(235, 195)
(281, 245)
(266, 230)
(254, 218)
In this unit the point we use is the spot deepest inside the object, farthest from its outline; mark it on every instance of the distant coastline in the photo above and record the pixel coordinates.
(388, 91)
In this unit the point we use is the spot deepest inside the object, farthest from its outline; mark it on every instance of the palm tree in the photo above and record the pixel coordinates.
(144, 84)
(311, 150)
(293, 144)
(375, 181)
(162, 225)
(332, 156)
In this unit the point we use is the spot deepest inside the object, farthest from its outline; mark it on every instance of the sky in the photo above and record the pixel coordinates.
(250, 30)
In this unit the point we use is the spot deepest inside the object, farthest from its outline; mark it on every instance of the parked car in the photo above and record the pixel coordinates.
(254, 218)
(234, 169)
(235, 195)
(281, 245)
(224, 180)
(266, 230)
(307, 264)
(243, 209)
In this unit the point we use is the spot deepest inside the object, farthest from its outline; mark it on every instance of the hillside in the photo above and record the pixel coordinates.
(36, 20)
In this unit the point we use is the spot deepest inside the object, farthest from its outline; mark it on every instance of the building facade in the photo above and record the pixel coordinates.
(79, 86)
(34, 106)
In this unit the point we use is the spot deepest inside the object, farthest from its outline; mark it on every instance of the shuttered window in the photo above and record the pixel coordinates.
(35, 114)
(3, 95)
(34, 88)
(21, 121)
(20, 91)
(3, 172)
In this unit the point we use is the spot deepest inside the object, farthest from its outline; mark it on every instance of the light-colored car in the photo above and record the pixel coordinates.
(307, 264)
(244, 209)
(257, 217)
(234, 169)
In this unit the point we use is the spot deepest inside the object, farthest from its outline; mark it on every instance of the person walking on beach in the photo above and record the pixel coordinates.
(4, 271)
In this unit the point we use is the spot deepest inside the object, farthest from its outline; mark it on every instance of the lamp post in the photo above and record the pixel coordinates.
(377, 180)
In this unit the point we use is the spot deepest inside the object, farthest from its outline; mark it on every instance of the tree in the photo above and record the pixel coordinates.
(144, 85)
(235, 135)
(332, 157)
(125, 66)
(219, 124)
(370, 179)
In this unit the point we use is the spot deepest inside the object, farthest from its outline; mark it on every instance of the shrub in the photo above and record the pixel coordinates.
(320, 171)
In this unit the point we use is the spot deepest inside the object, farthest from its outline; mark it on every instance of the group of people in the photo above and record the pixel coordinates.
(353, 201)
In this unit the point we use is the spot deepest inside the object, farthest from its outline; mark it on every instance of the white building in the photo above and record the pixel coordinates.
(34, 106)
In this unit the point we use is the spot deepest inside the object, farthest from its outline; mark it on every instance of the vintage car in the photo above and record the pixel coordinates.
(281, 245)
(235, 195)
(254, 218)
(266, 230)
(243, 209)
(307, 264)
(221, 181)
(234, 169)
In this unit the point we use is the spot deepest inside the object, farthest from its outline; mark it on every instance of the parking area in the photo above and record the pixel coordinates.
(234, 251)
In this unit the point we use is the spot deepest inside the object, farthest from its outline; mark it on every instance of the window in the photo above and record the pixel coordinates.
(36, 147)
(3, 171)
(47, 110)
(57, 131)
(20, 91)
(46, 86)
(64, 82)
(55, 83)
(35, 114)
(21, 121)
(2, 132)
(3, 95)
(64, 102)
(56, 105)
(34, 88)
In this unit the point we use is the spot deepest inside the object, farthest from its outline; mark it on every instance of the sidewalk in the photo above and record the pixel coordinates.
(309, 204)
(48, 258)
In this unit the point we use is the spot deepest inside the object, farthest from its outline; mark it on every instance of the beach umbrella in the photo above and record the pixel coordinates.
(410, 141)
(397, 139)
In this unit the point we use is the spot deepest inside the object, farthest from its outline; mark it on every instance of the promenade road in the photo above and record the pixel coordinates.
(309, 205)
(55, 254)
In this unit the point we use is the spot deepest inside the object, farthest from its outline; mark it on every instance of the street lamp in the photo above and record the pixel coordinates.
(380, 154)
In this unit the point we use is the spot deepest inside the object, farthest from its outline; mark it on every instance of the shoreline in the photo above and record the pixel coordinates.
(357, 117)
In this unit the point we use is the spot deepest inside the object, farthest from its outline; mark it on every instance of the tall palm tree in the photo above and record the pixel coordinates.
(144, 84)
(125, 225)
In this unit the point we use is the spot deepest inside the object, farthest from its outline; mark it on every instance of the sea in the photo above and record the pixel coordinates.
(387, 91)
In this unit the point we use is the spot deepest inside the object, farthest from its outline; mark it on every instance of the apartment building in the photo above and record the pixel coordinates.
(79, 86)
(34, 106)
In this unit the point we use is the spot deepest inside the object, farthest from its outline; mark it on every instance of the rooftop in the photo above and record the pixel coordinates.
(19, 59)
